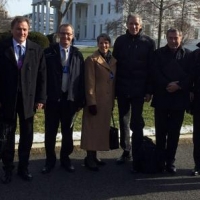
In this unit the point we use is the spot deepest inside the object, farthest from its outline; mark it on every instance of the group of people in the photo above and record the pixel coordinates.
(59, 80)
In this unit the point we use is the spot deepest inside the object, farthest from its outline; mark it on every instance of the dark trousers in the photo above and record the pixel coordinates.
(25, 141)
(196, 138)
(130, 114)
(168, 125)
(58, 112)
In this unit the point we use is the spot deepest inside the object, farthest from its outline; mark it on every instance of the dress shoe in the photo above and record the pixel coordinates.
(7, 178)
(171, 168)
(67, 165)
(99, 162)
(91, 164)
(195, 172)
(123, 158)
(25, 174)
(47, 169)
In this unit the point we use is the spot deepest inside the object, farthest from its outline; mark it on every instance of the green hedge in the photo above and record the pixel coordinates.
(36, 37)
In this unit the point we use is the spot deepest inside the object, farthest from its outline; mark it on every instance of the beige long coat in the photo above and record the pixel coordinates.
(99, 88)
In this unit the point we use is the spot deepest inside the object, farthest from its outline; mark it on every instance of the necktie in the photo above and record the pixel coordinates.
(20, 57)
(64, 58)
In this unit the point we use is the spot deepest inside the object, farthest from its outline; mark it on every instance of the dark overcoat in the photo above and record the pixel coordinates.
(76, 90)
(32, 81)
(169, 67)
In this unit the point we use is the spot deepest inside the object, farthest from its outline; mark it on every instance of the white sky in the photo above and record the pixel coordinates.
(18, 7)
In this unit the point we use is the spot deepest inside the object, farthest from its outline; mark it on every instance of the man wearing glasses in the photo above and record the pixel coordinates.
(65, 96)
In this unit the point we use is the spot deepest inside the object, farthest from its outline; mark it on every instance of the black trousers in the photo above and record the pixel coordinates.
(130, 115)
(25, 141)
(168, 125)
(196, 138)
(61, 112)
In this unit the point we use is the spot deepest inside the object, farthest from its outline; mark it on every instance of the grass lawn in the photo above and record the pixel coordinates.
(147, 112)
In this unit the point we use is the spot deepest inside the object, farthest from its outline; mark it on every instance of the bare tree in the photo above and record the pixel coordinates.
(5, 21)
(157, 16)
(62, 8)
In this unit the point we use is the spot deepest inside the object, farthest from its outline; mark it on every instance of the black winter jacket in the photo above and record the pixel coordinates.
(54, 75)
(169, 67)
(194, 61)
(133, 54)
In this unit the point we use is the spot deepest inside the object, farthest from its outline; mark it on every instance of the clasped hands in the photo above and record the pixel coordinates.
(173, 86)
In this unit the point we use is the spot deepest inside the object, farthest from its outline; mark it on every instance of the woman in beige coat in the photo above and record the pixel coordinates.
(100, 70)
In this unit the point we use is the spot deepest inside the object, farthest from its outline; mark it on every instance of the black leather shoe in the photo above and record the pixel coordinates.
(91, 164)
(123, 158)
(99, 162)
(195, 172)
(47, 169)
(67, 165)
(7, 178)
(25, 175)
(171, 168)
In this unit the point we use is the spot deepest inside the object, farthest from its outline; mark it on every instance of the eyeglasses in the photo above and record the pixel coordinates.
(63, 34)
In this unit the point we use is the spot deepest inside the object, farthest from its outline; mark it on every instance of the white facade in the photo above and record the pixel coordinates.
(88, 18)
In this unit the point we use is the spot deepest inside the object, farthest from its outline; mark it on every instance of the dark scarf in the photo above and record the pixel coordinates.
(107, 57)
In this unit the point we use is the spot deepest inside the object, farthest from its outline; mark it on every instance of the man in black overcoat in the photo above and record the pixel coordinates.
(170, 97)
(22, 91)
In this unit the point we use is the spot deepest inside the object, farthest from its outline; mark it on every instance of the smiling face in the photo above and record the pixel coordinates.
(174, 40)
(66, 36)
(103, 45)
(134, 25)
(20, 31)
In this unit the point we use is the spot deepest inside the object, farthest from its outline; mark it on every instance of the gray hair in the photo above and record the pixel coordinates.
(134, 15)
(174, 30)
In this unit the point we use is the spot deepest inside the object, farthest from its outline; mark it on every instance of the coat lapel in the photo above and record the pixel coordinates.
(9, 52)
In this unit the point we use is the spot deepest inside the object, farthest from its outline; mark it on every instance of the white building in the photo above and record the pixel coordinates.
(88, 17)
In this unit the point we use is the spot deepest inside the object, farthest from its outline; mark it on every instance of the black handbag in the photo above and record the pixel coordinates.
(113, 136)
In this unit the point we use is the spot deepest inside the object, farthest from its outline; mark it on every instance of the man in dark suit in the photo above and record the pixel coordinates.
(170, 97)
(22, 90)
(65, 96)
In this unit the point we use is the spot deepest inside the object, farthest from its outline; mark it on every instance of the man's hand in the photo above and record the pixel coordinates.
(39, 105)
(173, 87)
(147, 98)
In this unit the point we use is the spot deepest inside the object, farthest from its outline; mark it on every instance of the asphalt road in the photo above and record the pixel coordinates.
(112, 182)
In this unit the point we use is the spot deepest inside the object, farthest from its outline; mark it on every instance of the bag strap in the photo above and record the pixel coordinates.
(113, 121)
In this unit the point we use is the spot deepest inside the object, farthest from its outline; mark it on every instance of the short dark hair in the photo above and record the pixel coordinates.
(174, 30)
(66, 25)
(105, 36)
(19, 19)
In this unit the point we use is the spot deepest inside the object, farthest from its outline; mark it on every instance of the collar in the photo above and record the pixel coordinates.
(15, 43)
(66, 49)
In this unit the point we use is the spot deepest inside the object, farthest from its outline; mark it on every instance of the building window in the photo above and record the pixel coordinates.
(109, 7)
(95, 10)
(101, 28)
(80, 13)
(86, 12)
(94, 30)
(85, 31)
(101, 9)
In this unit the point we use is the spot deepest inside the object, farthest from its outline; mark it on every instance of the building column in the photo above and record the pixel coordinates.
(47, 22)
(89, 32)
(74, 15)
(42, 19)
(33, 17)
(37, 17)
(55, 16)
